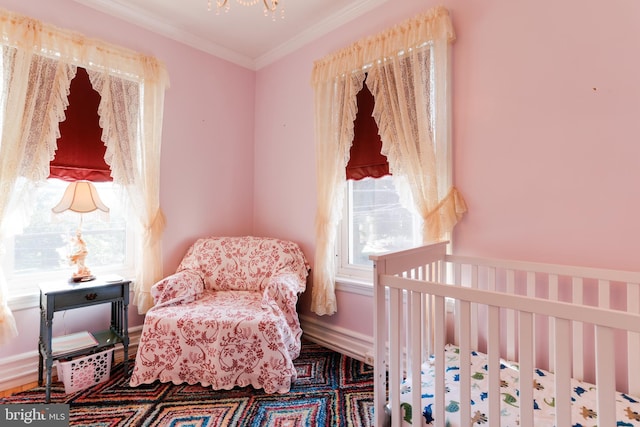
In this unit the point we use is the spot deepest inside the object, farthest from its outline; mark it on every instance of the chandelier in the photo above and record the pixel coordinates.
(270, 6)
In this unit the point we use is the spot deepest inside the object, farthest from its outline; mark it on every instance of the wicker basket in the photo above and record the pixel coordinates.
(83, 372)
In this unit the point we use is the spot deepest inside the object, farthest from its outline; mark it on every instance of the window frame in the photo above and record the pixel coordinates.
(22, 287)
(361, 275)
(356, 273)
(345, 270)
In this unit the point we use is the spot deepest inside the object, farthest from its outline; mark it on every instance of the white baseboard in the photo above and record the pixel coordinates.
(353, 344)
(22, 369)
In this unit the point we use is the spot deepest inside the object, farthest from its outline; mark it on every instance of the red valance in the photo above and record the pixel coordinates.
(365, 159)
(80, 153)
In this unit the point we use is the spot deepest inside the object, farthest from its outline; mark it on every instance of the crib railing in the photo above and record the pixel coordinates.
(581, 286)
(425, 293)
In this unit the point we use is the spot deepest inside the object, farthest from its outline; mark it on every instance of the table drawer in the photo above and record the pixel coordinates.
(87, 296)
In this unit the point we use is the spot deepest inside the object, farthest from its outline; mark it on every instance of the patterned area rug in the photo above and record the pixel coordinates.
(331, 390)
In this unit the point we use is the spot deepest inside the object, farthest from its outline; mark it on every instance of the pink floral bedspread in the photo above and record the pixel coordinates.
(227, 317)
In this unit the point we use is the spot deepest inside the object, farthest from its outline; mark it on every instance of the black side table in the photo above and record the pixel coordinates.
(58, 296)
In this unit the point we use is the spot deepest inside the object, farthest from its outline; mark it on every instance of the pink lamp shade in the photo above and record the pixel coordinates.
(81, 197)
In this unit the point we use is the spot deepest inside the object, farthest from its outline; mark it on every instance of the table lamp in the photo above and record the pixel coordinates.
(81, 197)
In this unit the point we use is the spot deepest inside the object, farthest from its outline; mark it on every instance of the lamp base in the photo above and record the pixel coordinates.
(77, 279)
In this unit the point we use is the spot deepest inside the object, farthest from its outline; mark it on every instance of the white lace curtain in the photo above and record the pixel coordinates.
(39, 62)
(407, 68)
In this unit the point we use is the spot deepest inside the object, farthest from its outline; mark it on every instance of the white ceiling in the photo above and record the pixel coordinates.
(244, 35)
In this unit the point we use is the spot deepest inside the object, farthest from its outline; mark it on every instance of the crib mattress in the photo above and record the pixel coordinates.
(584, 411)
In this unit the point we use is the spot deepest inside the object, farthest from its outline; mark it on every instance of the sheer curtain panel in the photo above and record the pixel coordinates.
(335, 110)
(33, 103)
(134, 158)
(408, 75)
(407, 107)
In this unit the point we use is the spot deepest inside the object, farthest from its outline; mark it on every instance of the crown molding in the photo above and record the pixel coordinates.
(158, 25)
(318, 30)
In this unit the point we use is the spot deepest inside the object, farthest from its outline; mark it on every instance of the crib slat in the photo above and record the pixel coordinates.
(511, 318)
(633, 340)
(427, 327)
(563, 372)
(531, 284)
(464, 323)
(531, 292)
(493, 352)
(440, 326)
(604, 293)
(553, 296)
(425, 338)
(605, 376)
(578, 332)
(457, 280)
(491, 278)
(416, 350)
(525, 330)
(406, 334)
(380, 330)
(395, 316)
(474, 307)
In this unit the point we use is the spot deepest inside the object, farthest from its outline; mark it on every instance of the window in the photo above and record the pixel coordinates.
(374, 221)
(407, 70)
(40, 251)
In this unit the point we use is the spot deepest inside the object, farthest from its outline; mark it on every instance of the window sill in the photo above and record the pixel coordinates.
(354, 286)
(24, 301)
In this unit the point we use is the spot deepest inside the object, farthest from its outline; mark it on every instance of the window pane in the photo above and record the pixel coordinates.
(377, 221)
(44, 246)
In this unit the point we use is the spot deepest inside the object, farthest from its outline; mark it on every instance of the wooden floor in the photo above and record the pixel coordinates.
(5, 393)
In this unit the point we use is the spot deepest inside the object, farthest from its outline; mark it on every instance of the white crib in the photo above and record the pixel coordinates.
(578, 328)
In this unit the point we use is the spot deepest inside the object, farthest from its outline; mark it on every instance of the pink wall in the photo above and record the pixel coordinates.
(546, 100)
(546, 130)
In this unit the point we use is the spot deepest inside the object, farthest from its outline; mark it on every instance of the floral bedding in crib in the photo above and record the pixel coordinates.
(584, 411)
